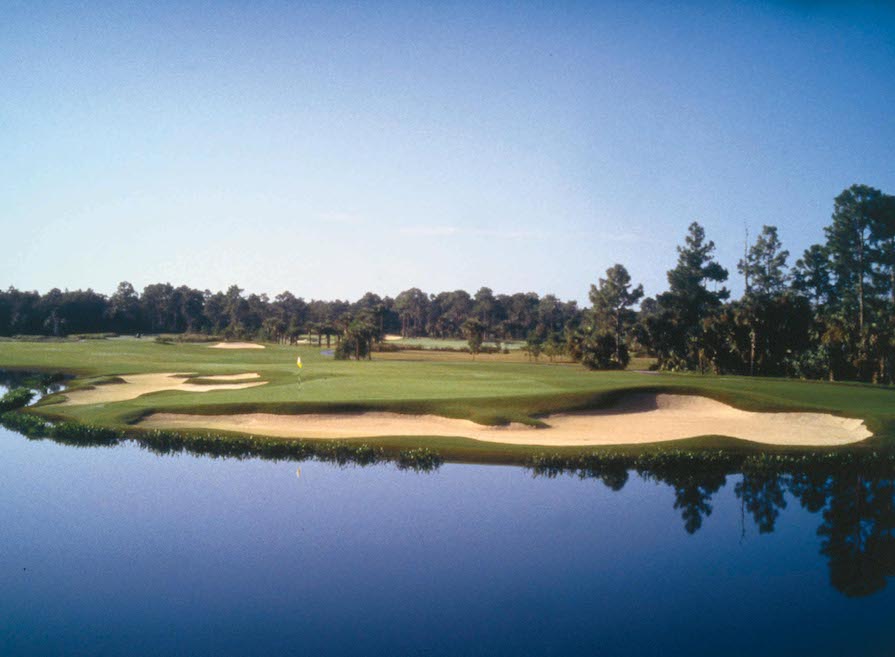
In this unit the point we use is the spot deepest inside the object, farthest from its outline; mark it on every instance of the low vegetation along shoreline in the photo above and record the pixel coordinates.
(490, 393)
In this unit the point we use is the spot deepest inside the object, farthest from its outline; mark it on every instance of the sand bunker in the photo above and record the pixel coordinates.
(140, 384)
(640, 418)
(229, 377)
(237, 345)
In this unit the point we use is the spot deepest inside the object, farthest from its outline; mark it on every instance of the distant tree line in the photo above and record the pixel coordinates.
(163, 308)
(829, 315)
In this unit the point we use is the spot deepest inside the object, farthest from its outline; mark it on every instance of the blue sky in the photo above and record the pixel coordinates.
(331, 148)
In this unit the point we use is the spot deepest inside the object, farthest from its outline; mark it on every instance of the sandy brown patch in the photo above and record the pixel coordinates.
(141, 384)
(230, 377)
(237, 345)
(640, 418)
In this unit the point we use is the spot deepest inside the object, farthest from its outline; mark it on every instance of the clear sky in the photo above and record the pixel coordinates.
(331, 149)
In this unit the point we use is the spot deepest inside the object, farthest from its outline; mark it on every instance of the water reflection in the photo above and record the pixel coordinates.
(857, 509)
(763, 496)
(857, 534)
(858, 521)
(40, 382)
(693, 495)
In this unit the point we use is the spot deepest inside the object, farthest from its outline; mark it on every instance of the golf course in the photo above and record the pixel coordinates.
(447, 329)
(493, 408)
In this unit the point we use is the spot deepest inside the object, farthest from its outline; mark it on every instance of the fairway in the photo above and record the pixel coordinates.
(124, 381)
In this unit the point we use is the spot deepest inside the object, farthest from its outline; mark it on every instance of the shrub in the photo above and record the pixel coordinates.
(168, 338)
(598, 352)
(15, 398)
(421, 459)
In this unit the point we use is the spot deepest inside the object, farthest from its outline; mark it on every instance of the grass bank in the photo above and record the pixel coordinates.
(492, 391)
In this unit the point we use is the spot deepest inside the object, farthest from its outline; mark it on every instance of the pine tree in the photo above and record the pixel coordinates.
(612, 302)
(688, 302)
(764, 266)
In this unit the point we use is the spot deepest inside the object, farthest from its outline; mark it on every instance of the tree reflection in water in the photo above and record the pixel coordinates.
(857, 533)
(763, 496)
(857, 509)
(858, 529)
(693, 495)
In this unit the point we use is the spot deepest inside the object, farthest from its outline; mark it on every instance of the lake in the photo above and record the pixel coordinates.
(120, 551)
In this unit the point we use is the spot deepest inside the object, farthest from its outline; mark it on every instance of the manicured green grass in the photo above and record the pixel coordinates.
(487, 391)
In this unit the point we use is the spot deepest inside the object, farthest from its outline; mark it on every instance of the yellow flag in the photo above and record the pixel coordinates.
(298, 362)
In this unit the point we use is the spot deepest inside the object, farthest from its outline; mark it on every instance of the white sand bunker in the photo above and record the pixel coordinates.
(140, 384)
(640, 418)
(237, 345)
(227, 377)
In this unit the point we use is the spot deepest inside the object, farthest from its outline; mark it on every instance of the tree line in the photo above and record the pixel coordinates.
(827, 315)
(163, 308)
(830, 315)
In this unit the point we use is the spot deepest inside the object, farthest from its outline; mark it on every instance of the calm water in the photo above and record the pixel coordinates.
(117, 551)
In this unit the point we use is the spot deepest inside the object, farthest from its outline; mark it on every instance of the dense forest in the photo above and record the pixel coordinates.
(827, 315)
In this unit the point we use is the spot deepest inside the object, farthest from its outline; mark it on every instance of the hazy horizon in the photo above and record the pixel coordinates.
(332, 150)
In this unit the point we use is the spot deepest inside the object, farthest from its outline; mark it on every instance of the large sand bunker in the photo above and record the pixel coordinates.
(237, 345)
(640, 418)
(140, 384)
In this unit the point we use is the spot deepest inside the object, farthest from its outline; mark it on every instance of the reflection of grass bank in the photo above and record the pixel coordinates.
(661, 463)
(219, 445)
